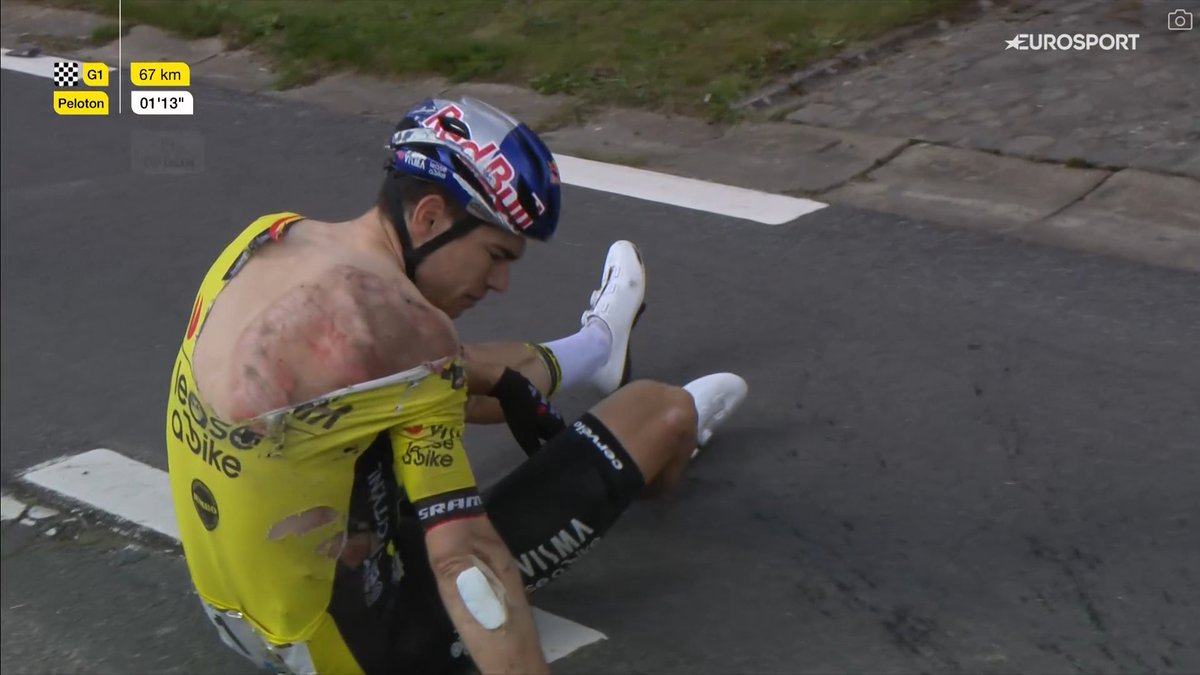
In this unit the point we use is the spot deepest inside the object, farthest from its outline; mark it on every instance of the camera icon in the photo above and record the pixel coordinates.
(1179, 19)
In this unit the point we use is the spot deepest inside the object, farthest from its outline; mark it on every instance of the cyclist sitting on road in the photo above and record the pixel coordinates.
(327, 509)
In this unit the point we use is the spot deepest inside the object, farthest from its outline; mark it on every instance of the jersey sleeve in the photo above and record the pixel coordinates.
(430, 460)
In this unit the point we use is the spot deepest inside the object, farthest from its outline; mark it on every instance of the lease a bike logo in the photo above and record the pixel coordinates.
(425, 456)
(244, 438)
(425, 453)
(192, 425)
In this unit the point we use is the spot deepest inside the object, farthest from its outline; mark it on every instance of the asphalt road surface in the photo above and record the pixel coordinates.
(960, 453)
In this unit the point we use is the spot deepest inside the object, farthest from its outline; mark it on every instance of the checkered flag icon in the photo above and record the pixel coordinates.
(66, 73)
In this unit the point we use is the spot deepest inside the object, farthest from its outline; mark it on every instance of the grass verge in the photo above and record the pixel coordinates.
(107, 33)
(681, 56)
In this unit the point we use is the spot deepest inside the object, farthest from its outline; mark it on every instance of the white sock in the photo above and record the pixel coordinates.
(581, 354)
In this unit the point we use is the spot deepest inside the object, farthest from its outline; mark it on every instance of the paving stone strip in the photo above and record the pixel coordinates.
(1097, 150)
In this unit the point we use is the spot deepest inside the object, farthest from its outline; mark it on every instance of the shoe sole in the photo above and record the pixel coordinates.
(627, 374)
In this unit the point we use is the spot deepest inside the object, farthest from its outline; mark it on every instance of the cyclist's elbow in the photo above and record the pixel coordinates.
(456, 547)
(480, 574)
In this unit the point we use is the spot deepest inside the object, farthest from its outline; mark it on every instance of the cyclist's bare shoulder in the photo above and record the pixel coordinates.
(320, 314)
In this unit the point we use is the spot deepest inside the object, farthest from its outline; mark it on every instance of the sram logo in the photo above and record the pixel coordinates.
(450, 506)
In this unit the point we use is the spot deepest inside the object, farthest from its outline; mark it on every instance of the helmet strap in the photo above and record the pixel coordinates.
(415, 255)
(458, 229)
(395, 213)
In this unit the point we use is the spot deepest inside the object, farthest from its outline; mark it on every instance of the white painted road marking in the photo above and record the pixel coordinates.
(724, 200)
(41, 65)
(10, 508)
(141, 494)
(561, 636)
(113, 483)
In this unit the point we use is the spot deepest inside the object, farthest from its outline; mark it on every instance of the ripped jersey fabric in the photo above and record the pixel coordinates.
(272, 510)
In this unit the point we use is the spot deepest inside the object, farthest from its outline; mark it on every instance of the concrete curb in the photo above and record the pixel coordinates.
(781, 97)
(1085, 208)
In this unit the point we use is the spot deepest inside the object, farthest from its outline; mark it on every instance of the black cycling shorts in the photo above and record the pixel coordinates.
(550, 510)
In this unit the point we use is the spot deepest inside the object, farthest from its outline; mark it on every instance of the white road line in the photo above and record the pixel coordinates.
(141, 494)
(725, 200)
(11, 508)
(562, 636)
(113, 483)
(41, 66)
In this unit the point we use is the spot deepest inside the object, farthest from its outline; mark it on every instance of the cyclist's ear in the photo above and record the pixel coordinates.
(430, 217)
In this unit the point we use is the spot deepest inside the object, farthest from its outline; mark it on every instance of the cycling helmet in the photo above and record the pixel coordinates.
(492, 165)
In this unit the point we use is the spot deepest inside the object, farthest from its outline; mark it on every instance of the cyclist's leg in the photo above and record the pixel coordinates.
(551, 367)
(656, 424)
(557, 504)
(384, 613)
(596, 355)
(532, 361)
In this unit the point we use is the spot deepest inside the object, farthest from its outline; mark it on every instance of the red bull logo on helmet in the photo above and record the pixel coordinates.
(498, 170)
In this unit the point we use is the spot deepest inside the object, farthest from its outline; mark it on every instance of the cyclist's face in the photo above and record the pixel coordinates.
(460, 274)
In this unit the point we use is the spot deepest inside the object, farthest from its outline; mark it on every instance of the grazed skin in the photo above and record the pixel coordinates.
(328, 306)
(348, 315)
(343, 319)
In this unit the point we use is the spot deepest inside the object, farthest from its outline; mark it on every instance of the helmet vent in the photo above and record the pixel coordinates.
(525, 198)
(454, 126)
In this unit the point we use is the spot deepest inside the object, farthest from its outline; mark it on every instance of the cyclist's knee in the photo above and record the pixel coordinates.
(679, 418)
(655, 422)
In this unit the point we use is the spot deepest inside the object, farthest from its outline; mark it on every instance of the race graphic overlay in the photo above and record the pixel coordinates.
(77, 100)
(1180, 19)
(157, 101)
(67, 73)
(1072, 42)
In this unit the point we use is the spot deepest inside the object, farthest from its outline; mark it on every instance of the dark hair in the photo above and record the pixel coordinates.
(399, 193)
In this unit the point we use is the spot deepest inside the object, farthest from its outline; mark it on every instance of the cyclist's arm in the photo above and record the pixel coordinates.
(481, 407)
(484, 410)
(439, 482)
(454, 548)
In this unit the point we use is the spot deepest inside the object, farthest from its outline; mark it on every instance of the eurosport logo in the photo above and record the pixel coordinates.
(1072, 42)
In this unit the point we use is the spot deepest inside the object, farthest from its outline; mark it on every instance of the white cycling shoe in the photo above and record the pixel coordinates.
(716, 396)
(618, 303)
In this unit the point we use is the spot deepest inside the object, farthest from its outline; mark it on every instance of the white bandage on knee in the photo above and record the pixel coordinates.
(483, 595)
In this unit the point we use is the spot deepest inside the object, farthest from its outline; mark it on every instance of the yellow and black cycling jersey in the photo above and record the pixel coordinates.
(266, 506)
